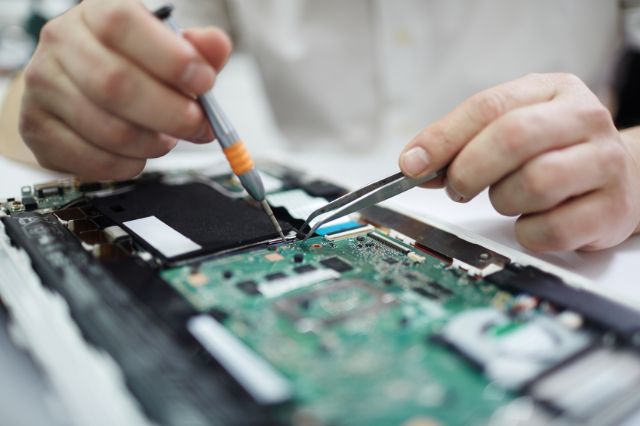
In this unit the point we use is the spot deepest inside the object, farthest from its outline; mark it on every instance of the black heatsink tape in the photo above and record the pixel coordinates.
(214, 221)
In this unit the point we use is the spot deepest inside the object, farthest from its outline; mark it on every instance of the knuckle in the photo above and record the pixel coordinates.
(115, 19)
(489, 105)
(49, 34)
(33, 76)
(598, 116)
(28, 126)
(114, 85)
(567, 78)
(513, 131)
(180, 61)
(534, 183)
(437, 132)
(122, 135)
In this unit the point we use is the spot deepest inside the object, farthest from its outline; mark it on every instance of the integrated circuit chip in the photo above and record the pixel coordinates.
(275, 276)
(303, 269)
(336, 264)
(249, 287)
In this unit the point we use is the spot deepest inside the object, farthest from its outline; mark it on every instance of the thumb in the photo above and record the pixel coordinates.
(212, 43)
(438, 144)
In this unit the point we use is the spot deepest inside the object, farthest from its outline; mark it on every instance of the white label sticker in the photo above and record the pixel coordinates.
(161, 236)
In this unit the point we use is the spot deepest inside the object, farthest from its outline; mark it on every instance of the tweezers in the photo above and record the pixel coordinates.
(365, 197)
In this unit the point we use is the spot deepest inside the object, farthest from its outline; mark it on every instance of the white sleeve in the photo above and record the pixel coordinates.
(631, 16)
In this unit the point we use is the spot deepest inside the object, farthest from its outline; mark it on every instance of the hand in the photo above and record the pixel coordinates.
(110, 86)
(549, 152)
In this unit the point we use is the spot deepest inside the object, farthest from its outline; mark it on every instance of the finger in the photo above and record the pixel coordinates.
(578, 223)
(570, 226)
(518, 136)
(93, 124)
(129, 29)
(436, 145)
(212, 43)
(59, 148)
(553, 177)
(127, 91)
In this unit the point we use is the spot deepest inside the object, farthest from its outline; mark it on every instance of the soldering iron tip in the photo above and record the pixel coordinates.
(272, 218)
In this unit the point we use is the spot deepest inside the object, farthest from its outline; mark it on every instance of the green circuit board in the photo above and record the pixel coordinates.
(368, 325)
(356, 344)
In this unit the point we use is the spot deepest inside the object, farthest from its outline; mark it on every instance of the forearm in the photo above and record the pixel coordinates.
(631, 137)
(11, 143)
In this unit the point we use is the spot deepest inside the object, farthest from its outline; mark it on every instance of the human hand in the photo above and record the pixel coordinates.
(110, 86)
(548, 151)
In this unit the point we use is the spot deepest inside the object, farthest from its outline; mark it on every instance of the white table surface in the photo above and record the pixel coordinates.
(614, 271)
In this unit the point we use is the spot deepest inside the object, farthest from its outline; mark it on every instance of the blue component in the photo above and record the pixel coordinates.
(330, 229)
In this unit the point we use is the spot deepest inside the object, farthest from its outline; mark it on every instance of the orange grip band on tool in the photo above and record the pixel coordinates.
(239, 158)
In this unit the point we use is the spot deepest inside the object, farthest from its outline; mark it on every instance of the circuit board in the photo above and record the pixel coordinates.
(376, 320)
(364, 339)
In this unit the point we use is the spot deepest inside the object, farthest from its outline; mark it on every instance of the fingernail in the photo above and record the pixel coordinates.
(454, 195)
(414, 161)
(198, 77)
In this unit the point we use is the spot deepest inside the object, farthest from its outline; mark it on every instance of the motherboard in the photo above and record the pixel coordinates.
(378, 319)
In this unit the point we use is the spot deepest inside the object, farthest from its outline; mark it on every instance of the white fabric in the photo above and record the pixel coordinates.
(363, 72)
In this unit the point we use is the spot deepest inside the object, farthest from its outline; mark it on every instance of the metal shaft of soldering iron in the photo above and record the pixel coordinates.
(232, 146)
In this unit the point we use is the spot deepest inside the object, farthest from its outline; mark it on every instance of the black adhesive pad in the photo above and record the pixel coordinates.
(197, 211)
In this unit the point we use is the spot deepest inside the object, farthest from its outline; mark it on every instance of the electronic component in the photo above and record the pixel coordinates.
(510, 352)
(414, 257)
(283, 284)
(197, 279)
(273, 257)
(356, 298)
(275, 276)
(48, 189)
(350, 233)
(336, 264)
(390, 243)
(425, 293)
(250, 287)
(29, 203)
(303, 269)
(115, 233)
